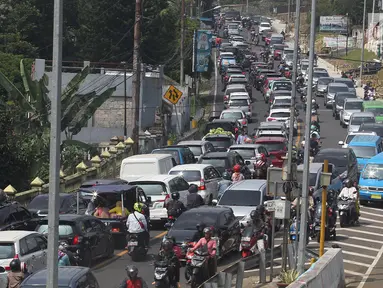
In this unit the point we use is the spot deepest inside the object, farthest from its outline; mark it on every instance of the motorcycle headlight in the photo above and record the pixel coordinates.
(246, 239)
(159, 276)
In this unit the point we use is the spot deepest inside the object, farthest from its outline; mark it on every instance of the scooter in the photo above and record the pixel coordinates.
(347, 211)
(170, 223)
(199, 267)
(249, 241)
(260, 170)
(294, 228)
(136, 250)
(161, 275)
(330, 231)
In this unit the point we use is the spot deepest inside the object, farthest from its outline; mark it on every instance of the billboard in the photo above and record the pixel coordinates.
(203, 50)
(336, 24)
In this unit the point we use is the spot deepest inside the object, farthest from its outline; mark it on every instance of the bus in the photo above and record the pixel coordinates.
(375, 107)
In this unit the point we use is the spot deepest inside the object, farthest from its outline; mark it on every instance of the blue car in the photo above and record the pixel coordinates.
(365, 147)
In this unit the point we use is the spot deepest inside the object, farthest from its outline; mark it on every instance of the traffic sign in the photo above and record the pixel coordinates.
(173, 95)
(270, 205)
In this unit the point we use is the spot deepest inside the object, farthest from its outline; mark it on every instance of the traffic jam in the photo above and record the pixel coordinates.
(207, 197)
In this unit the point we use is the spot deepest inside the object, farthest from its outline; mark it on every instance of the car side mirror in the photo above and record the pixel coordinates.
(341, 143)
(214, 202)
(148, 199)
(247, 162)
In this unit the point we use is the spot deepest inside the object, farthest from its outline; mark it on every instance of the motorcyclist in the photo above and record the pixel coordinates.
(175, 207)
(72, 259)
(194, 199)
(314, 145)
(15, 277)
(261, 161)
(283, 34)
(137, 224)
(316, 124)
(237, 175)
(259, 228)
(63, 258)
(211, 247)
(301, 79)
(287, 72)
(252, 34)
(167, 254)
(350, 192)
(270, 64)
(133, 281)
(343, 75)
(224, 183)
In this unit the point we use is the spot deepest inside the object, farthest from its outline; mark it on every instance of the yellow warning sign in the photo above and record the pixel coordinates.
(173, 95)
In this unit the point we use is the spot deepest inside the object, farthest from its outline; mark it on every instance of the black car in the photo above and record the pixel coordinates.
(229, 125)
(70, 277)
(14, 216)
(96, 182)
(372, 127)
(226, 227)
(68, 204)
(225, 161)
(86, 236)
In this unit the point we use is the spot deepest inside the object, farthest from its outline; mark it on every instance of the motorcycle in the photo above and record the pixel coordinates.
(294, 228)
(249, 241)
(161, 275)
(136, 250)
(260, 170)
(74, 258)
(170, 223)
(347, 211)
(330, 232)
(198, 267)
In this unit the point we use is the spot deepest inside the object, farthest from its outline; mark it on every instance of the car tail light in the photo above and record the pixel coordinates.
(229, 170)
(329, 212)
(202, 185)
(170, 217)
(226, 78)
(244, 122)
(271, 119)
(244, 73)
(76, 240)
(225, 97)
(249, 108)
(166, 198)
(115, 229)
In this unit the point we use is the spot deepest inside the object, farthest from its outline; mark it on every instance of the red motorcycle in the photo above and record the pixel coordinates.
(183, 251)
(249, 241)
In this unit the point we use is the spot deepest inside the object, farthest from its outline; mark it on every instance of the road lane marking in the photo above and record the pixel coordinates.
(355, 254)
(366, 207)
(369, 270)
(367, 226)
(360, 239)
(370, 220)
(122, 253)
(353, 273)
(356, 263)
(372, 214)
(354, 246)
(360, 231)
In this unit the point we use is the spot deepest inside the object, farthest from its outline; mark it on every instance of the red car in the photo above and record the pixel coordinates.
(277, 148)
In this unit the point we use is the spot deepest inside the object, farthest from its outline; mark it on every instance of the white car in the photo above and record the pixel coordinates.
(351, 136)
(240, 45)
(358, 118)
(235, 114)
(281, 115)
(232, 28)
(264, 26)
(205, 176)
(29, 246)
(160, 188)
(243, 76)
(241, 102)
(350, 105)
(282, 100)
(237, 38)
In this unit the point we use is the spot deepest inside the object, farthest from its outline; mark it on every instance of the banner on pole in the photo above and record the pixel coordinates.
(203, 49)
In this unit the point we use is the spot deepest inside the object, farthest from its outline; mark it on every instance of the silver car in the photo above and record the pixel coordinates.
(243, 103)
(358, 119)
(332, 89)
(350, 84)
(319, 74)
(322, 84)
(350, 106)
(198, 147)
(249, 153)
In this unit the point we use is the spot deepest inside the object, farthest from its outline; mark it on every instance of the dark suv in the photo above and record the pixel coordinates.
(225, 161)
(13, 216)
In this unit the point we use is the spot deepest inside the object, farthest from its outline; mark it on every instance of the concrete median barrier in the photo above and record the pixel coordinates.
(327, 272)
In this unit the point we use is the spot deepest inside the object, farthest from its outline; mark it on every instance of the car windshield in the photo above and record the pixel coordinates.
(41, 203)
(223, 142)
(265, 25)
(354, 105)
(233, 90)
(274, 146)
(336, 89)
(279, 47)
(232, 26)
(174, 154)
(239, 102)
(361, 120)
(188, 175)
(189, 221)
(313, 179)
(349, 84)
(64, 229)
(280, 114)
(283, 84)
(375, 110)
(232, 115)
(196, 150)
(320, 74)
(340, 100)
(238, 80)
(240, 198)
(282, 101)
(289, 57)
(325, 81)
(216, 162)
(7, 250)
(246, 153)
(349, 138)
(305, 67)
(152, 189)
(373, 171)
(363, 151)
(339, 160)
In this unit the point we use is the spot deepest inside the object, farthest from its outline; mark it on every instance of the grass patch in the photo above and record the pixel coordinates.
(354, 56)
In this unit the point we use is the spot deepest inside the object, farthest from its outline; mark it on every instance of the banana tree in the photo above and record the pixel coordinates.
(76, 109)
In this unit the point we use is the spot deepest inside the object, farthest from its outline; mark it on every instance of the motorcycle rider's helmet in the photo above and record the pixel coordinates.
(261, 209)
(237, 168)
(167, 245)
(282, 62)
(226, 176)
(175, 195)
(208, 231)
(193, 188)
(347, 183)
(313, 128)
(132, 272)
(15, 265)
(137, 207)
(254, 214)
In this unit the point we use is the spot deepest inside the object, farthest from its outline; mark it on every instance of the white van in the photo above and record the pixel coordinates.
(137, 166)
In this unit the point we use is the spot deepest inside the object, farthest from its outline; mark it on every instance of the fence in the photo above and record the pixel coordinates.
(236, 271)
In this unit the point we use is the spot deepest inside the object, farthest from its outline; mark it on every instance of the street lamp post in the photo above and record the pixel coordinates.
(363, 33)
(348, 31)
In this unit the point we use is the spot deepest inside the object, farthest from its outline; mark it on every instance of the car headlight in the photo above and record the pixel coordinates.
(360, 167)
(363, 187)
(330, 96)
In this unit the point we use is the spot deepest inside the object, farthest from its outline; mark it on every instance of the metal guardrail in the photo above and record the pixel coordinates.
(224, 278)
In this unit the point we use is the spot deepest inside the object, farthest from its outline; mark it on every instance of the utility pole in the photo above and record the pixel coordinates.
(348, 31)
(182, 42)
(288, 15)
(306, 170)
(55, 142)
(291, 128)
(363, 35)
(136, 76)
(125, 100)
(247, 7)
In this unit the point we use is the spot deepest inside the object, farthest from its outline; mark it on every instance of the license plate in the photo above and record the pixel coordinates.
(376, 196)
(317, 228)
(133, 244)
